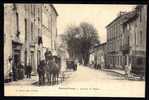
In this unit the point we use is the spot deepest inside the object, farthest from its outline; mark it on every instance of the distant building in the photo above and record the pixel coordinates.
(92, 57)
(98, 54)
(126, 38)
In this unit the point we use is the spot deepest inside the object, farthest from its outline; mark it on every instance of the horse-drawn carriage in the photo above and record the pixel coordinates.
(49, 69)
(71, 64)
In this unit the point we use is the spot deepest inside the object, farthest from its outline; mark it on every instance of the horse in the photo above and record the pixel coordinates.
(41, 72)
(53, 69)
(48, 68)
(56, 68)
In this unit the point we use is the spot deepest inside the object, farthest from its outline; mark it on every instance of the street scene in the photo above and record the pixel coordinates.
(105, 84)
(64, 50)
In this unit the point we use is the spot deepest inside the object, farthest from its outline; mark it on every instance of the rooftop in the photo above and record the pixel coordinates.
(130, 16)
(54, 9)
(125, 15)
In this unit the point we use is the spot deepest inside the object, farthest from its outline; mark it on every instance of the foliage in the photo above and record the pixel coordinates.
(80, 39)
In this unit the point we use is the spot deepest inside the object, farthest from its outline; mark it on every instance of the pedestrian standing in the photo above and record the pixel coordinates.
(128, 70)
(21, 71)
(102, 62)
(14, 71)
(11, 72)
(29, 71)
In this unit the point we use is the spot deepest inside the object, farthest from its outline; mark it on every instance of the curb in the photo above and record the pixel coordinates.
(114, 72)
(130, 78)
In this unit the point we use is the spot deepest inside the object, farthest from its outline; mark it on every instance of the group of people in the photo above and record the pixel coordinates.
(19, 71)
(47, 68)
(71, 64)
(97, 66)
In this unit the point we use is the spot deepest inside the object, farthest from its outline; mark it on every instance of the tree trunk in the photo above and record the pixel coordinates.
(86, 59)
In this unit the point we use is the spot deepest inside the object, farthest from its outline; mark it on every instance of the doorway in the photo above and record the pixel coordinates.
(33, 61)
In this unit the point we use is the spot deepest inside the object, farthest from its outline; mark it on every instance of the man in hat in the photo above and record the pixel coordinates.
(46, 54)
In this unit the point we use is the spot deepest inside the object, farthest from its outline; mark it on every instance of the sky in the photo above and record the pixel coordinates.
(99, 15)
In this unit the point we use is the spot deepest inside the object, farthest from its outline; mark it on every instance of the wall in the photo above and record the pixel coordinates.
(49, 30)
(8, 20)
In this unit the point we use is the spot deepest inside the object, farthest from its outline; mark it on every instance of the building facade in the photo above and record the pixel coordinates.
(126, 38)
(14, 36)
(114, 41)
(134, 42)
(98, 55)
(49, 27)
(23, 35)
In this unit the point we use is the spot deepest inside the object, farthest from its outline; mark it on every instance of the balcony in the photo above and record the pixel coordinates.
(125, 47)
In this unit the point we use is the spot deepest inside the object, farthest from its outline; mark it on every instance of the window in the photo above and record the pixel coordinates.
(54, 45)
(31, 31)
(45, 20)
(140, 15)
(38, 31)
(34, 10)
(25, 30)
(31, 8)
(141, 38)
(139, 61)
(26, 7)
(38, 14)
(17, 20)
(25, 57)
(32, 60)
(128, 40)
(128, 27)
(38, 57)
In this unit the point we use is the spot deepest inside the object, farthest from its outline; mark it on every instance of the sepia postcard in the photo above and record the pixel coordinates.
(91, 50)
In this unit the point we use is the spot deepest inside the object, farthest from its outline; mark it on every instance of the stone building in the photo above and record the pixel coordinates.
(24, 36)
(49, 27)
(92, 57)
(33, 36)
(134, 42)
(14, 36)
(114, 41)
(126, 38)
(98, 54)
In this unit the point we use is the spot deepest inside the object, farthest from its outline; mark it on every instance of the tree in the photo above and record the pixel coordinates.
(88, 40)
(80, 39)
